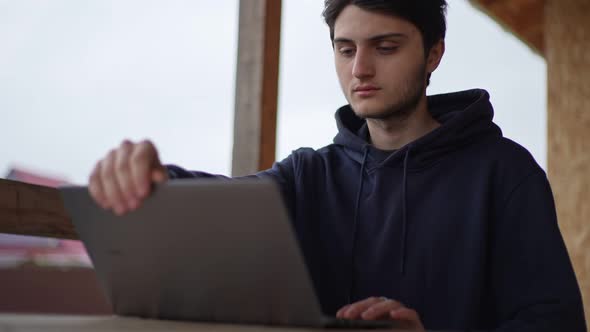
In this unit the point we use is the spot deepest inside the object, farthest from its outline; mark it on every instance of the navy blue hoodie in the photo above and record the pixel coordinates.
(459, 225)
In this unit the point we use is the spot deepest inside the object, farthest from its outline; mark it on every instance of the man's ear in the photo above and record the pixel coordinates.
(435, 56)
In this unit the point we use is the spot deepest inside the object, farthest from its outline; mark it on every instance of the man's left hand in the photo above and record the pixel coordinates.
(382, 308)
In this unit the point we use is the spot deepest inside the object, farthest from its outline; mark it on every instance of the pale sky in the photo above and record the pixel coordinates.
(78, 76)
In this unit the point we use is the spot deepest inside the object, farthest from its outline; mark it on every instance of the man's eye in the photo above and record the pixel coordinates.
(346, 51)
(387, 49)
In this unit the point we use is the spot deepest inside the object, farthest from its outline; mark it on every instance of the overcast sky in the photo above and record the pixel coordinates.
(78, 76)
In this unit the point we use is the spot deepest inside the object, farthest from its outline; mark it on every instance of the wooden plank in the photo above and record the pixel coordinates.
(568, 150)
(33, 210)
(256, 86)
(523, 18)
(270, 86)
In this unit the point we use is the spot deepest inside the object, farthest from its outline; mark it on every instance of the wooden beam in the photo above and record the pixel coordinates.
(523, 18)
(33, 210)
(567, 30)
(256, 86)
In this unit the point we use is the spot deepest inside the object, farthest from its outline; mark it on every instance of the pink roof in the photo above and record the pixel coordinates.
(29, 177)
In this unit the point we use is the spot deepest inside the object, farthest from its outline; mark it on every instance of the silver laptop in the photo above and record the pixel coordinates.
(202, 250)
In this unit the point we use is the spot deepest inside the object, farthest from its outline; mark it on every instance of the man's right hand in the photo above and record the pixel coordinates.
(122, 180)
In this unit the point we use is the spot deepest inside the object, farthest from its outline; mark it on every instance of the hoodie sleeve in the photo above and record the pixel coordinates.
(532, 279)
(177, 172)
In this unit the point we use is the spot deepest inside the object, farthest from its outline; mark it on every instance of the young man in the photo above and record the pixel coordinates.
(420, 211)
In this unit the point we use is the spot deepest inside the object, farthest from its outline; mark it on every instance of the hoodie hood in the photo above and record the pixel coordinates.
(465, 117)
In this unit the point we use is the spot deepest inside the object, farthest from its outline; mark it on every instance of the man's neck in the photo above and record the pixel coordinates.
(394, 133)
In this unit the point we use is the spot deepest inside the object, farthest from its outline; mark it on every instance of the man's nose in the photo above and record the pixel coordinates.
(364, 65)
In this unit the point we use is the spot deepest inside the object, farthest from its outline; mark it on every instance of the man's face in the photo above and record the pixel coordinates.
(380, 63)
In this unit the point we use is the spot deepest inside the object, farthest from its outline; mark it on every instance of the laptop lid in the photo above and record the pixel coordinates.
(204, 250)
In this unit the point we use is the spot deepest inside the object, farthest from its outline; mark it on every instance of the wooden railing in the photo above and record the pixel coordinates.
(33, 210)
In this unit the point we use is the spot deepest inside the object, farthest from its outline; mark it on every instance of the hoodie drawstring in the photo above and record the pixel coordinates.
(404, 213)
(356, 220)
(357, 212)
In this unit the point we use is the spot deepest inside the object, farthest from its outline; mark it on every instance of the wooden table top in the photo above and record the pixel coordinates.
(83, 323)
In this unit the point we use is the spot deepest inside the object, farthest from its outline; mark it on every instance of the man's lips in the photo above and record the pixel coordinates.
(366, 90)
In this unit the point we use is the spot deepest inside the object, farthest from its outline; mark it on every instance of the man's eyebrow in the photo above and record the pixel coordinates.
(388, 35)
(374, 38)
(342, 40)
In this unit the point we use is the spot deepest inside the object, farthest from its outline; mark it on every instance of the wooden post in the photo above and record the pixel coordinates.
(567, 38)
(33, 210)
(256, 86)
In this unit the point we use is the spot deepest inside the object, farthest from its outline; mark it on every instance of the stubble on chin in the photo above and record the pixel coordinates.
(409, 96)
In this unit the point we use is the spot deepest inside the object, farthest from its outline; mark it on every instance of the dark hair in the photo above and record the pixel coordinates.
(427, 15)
